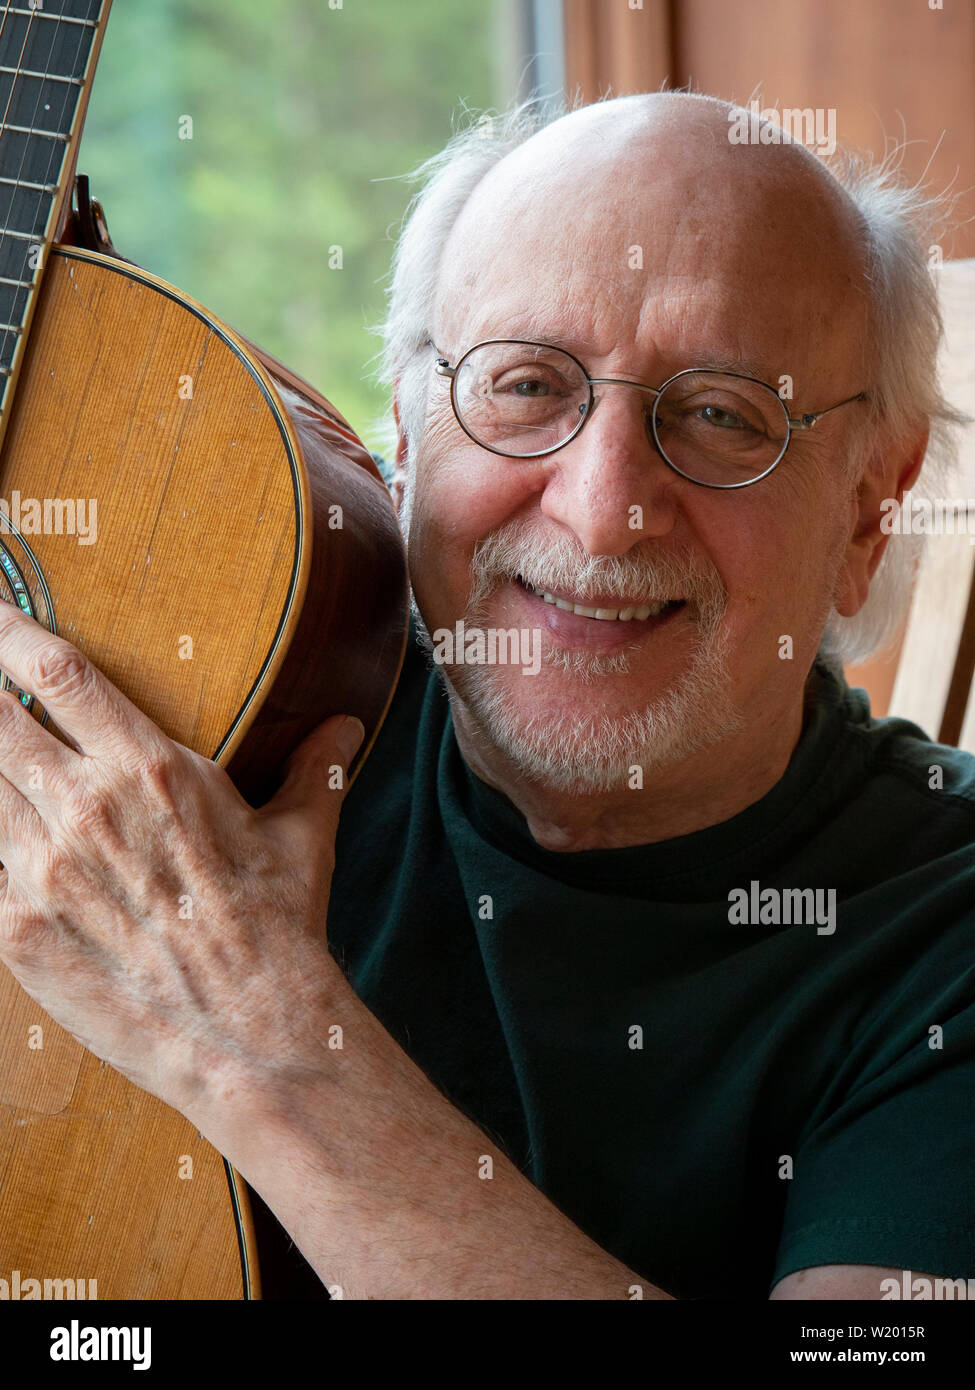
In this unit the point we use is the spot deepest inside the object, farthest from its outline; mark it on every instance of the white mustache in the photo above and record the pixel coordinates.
(556, 564)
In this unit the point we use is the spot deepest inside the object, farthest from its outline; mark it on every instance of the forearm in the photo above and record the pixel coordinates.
(381, 1181)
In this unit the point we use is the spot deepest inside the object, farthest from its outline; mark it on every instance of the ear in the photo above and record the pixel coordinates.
(399, 476)
(888, 475)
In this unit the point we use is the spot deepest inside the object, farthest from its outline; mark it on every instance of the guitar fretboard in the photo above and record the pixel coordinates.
(45, 51)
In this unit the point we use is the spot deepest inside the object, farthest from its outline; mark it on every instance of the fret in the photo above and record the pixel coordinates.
(60, 18)
(25, 210)
(24, 155)
(44, 62)
(41, 134)
(44, 76)
(27, 233)
(28, 101)
(34, 187)
(8, 344)
(44, 49)
(17, 255)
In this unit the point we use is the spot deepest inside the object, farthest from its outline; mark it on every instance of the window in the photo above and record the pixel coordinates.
(247, 153)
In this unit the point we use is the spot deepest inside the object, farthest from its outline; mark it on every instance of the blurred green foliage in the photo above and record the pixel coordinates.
(301, 117)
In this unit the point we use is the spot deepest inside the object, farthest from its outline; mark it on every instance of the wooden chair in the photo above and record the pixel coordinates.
(932, 677)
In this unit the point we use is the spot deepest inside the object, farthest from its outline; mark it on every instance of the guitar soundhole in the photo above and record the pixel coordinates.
(22, 583)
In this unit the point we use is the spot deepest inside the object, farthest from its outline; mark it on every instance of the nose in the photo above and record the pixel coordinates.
(609, 485)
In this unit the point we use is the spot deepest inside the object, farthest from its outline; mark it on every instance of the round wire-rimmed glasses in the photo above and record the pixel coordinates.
(524, 399)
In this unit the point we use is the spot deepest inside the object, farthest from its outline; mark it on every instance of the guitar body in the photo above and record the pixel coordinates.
(228, 555)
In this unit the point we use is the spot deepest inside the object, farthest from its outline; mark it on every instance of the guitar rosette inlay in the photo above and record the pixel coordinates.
(22, 583)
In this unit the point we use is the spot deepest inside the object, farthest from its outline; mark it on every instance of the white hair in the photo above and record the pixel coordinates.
(899, 222)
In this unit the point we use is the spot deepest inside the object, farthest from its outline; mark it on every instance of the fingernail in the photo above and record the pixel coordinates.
(349, 737)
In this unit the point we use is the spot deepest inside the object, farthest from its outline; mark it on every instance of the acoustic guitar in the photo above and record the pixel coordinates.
(208, 529)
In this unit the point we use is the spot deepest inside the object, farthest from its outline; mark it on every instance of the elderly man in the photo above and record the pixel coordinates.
(659, 946)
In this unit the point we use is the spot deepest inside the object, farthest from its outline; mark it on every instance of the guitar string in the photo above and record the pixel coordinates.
(23, 158)
(32, 123)
(13, 194)
(56, 155)
(3, 125)
(10, 94)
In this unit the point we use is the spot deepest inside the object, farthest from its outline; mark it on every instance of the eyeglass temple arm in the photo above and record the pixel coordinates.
(806, 422)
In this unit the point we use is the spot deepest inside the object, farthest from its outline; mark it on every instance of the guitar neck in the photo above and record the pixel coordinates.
(48, 52)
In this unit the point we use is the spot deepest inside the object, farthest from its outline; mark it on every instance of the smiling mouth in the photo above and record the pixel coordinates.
(601, 610)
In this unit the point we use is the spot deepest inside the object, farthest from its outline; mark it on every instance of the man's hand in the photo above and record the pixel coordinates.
(171, 928)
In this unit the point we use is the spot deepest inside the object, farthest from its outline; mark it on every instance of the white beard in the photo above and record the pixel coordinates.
(590, 751)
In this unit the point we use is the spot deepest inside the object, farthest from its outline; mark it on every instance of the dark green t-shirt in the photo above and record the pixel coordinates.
(716, 1104)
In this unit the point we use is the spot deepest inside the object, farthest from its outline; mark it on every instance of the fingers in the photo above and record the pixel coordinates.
(348, 738)
(22, 832)
(86, 706)
(31, 758)
(309, 801)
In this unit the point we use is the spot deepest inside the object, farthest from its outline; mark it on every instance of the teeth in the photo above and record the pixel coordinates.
(611, 615)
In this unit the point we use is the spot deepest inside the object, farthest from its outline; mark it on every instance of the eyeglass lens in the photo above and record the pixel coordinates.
(526, 399)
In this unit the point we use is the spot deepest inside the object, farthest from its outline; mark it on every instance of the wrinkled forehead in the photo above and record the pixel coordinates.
(663, 234)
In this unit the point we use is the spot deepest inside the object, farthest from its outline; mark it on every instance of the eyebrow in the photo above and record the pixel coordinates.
(716, 362)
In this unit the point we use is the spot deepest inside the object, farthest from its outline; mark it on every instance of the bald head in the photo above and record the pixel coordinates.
(643, 217)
